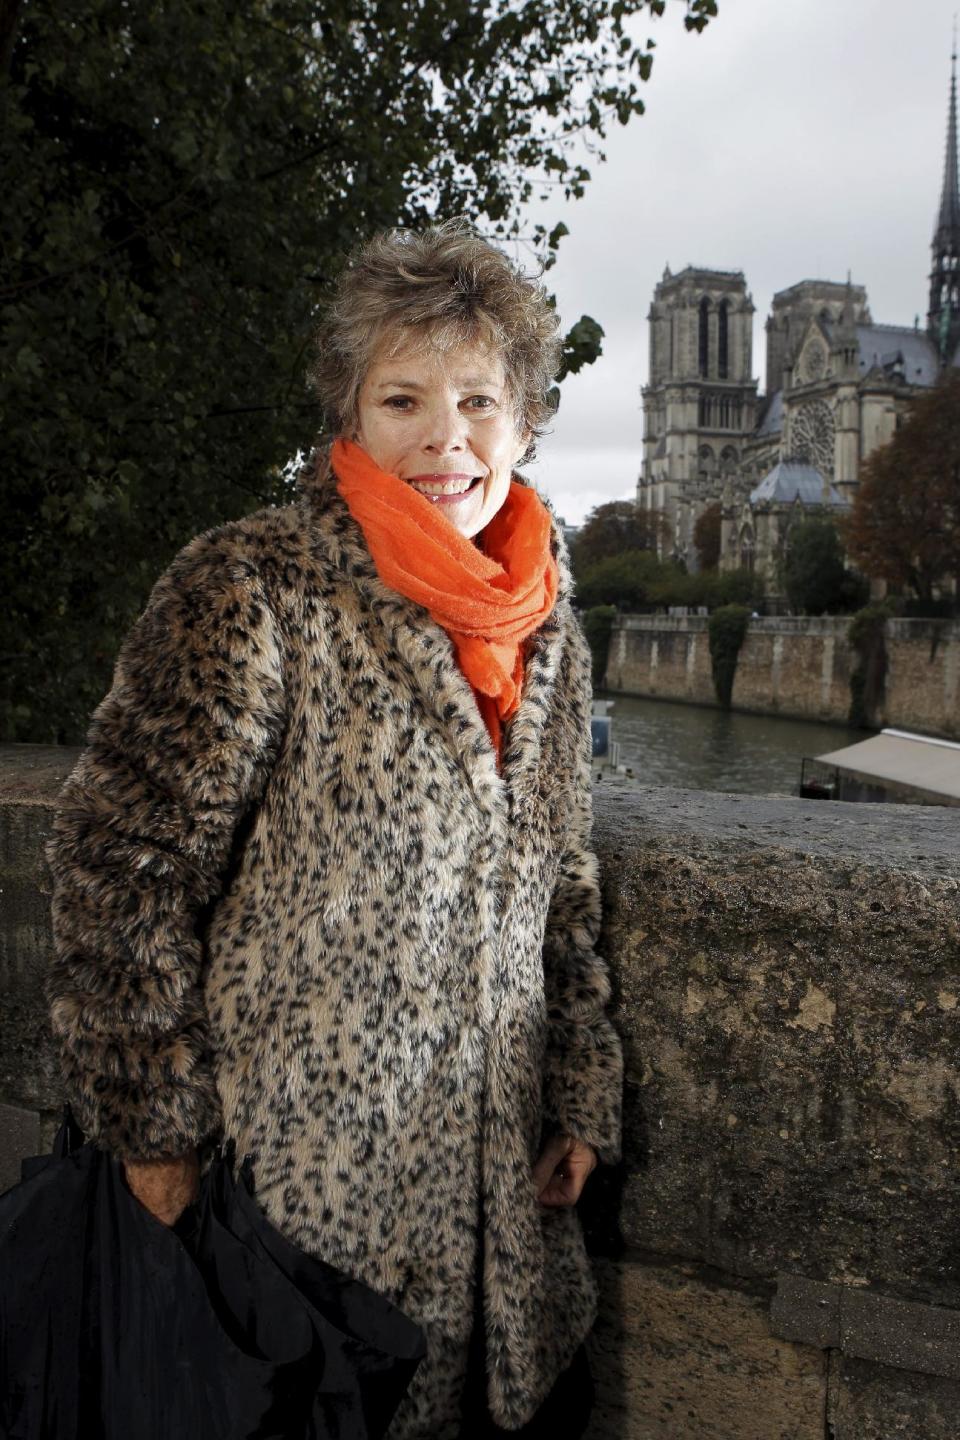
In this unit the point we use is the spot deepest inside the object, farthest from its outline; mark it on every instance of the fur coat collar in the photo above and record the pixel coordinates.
(429, 652)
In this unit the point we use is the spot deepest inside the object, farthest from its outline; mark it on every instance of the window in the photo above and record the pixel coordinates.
(722, 363)
(704, 335)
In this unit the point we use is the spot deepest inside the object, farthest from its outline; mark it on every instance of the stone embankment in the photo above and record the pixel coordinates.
(800, 667)
(778, 1251)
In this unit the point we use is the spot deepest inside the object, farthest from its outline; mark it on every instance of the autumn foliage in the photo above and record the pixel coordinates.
(905, 524)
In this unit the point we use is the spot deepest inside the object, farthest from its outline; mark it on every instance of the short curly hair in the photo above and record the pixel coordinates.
(449, 285)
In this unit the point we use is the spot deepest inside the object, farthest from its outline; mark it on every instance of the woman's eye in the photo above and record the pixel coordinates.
(398, 402)
(481, 402)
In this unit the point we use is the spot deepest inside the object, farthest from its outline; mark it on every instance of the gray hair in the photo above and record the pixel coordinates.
(451, 287)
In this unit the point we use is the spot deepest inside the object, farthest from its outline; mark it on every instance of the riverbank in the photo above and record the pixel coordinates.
(799, 667)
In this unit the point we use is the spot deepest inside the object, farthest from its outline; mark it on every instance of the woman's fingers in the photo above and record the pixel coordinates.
(165, 1187)
(551, 1158)
(562, 1169)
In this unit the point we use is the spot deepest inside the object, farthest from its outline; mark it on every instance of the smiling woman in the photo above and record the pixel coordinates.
(448, 427)
(353, 735)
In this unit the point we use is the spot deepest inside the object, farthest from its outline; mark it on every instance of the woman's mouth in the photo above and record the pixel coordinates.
(445, 489)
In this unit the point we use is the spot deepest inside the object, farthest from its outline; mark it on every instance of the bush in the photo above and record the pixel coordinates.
(709, 587)
(636, 579)
(727, 630)
(597, 626)
(866, 635)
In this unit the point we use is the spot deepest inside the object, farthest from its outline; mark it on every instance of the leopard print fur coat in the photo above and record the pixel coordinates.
(296, 902)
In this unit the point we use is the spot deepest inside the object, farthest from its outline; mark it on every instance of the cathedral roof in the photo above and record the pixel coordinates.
(771, 421)
(791, 480)
(893, 346)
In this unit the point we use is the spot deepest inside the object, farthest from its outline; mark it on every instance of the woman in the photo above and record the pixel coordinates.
(321, 874)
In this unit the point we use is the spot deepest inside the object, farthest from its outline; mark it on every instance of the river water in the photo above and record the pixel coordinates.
(698, 748)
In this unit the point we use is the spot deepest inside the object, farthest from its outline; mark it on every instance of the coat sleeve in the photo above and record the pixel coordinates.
(583, 1081)
(176, 752)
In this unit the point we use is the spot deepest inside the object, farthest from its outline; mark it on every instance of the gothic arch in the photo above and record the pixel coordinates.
(747, 547)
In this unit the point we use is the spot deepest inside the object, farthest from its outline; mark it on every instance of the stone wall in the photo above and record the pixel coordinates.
(778, 1251)
(799, 667)
(788, 980)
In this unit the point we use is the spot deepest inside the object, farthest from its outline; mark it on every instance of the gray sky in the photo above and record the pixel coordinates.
(793, 139)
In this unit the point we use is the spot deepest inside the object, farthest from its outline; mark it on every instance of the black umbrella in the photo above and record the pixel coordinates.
(115, 1325)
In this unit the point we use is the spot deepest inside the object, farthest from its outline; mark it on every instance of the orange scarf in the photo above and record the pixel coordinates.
(487, 603)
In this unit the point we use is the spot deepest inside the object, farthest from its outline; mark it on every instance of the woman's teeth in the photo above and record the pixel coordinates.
(437, 490)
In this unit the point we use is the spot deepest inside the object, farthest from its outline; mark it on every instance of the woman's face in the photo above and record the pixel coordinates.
(444, 424)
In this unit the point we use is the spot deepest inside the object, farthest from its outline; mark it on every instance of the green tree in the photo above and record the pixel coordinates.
(181, 182)
(598, 627)
(815, 576)
(628, 580)
(711, 588)
(706, 536)
(613, 528)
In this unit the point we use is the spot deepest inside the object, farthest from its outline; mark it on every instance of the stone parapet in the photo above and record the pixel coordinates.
(778, 1249)
(788, 979)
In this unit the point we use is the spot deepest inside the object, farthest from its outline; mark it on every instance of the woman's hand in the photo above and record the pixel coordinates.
(562, 1169)
(166, 1187)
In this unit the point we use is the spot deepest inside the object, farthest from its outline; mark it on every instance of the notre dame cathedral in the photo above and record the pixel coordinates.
(837, 385)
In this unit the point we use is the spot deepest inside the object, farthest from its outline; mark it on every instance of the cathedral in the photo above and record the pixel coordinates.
(837, 387)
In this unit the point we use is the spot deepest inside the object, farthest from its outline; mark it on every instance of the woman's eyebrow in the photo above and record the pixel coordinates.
(465, 382)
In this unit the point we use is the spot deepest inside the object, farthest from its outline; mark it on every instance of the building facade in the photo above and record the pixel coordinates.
(837, 387)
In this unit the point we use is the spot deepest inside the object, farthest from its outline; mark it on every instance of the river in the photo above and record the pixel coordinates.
(698, 748)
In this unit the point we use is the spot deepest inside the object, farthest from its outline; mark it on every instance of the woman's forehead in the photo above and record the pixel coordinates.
(421, 361)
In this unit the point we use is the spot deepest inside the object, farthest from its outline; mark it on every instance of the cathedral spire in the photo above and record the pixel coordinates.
(948, 220)
(943, 317)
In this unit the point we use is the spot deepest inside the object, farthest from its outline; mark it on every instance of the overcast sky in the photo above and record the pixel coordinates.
(793, 139)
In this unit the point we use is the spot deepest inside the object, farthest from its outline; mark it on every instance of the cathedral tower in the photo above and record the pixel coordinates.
(700, 401)
(943, 318)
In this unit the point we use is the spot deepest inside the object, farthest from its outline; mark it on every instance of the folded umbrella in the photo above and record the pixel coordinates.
(115, 1325)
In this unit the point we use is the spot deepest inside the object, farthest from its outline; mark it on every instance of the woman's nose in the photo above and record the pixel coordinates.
(444, 429)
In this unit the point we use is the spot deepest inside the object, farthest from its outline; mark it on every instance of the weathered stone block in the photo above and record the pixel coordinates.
(788, 973)
(873, 1402)
(19, 1136)
(674, 1355)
